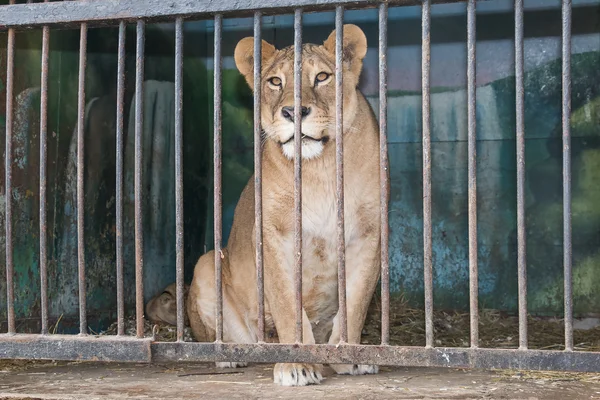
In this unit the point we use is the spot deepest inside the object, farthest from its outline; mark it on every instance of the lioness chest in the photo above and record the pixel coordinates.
(319, 248)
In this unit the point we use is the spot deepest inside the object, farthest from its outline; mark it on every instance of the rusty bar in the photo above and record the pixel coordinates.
(65, 13)
(427, 246)
(119, 181)
(127, 349)
(80, 182)
(179, 175)
(566, 138)
(43, 178)
(260, 279)
(383, 176)
(218, 196)
(139, 230)
(298, 168)
(339, 163)
(520, 119)
(408, 356)
(472, 144)
(10, 68)
(75, 348)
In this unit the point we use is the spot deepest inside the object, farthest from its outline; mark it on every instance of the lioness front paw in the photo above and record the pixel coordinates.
(297, 374)
(354, 369)
(231, 364)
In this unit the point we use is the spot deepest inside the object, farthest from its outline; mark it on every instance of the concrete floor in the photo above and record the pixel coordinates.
(88, 381)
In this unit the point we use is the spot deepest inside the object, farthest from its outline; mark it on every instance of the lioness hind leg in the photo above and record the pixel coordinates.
(201, 303)
(362, 274)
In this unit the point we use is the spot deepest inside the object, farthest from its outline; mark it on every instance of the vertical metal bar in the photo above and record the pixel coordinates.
(427, 246)
(260, 279)
(139, 230)
(119, 182)
(10, 66)
(339, 163)
(520, 119)
(566, 137)
(383, 175)
(217, 176)
(80, 179)
(298, 167)
(43, 178)
(472, 144)
(179, 175)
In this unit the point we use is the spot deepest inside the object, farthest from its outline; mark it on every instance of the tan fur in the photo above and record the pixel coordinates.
(362, 213)
(163, 307)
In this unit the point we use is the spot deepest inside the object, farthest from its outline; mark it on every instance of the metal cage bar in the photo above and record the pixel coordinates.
(383, 176)
(10, 79)
(43, 178)
(218, 198)
(139, 135)
(472, 144)
(566, 141)
(258, 226)
(520, 134)
(339, 167)
(119, 181)
(427, 245)
(80, 180)
(179, 176)
(298, 169)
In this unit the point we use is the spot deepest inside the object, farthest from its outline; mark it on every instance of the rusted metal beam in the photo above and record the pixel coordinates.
(130, 349)
(74, 347)
(71, 13)
(381, 355)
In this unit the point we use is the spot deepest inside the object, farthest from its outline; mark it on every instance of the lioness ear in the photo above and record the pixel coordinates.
(354, 47)
(244, 57)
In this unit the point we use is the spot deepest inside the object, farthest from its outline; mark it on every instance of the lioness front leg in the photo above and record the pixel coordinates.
(362, 274)
(279, 290)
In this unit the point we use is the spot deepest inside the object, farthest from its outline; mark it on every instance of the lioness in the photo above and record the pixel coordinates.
(163, 306)
(319, 259)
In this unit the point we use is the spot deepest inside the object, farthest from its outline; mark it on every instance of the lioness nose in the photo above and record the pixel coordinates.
(288, 113)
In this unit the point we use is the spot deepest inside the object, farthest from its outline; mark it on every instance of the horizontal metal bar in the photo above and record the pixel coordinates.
(67, 13)
(379, 355)
(74, 347)
(130, 349)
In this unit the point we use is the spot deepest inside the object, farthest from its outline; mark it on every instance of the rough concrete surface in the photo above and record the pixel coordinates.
(62, 380)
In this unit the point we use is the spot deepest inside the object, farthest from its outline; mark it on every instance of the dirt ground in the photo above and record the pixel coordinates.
(70, 381)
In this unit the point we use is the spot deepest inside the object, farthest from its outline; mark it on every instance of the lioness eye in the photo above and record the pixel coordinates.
(321, 76)
(275, 81)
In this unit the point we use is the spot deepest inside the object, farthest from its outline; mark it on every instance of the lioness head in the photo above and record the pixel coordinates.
(318, 89)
